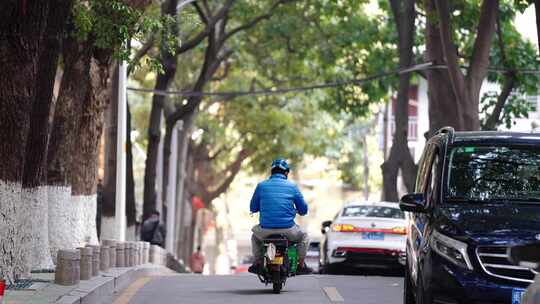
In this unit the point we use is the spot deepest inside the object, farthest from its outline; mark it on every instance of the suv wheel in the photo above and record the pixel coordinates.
(408, 296)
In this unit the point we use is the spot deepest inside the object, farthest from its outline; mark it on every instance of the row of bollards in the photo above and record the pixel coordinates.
(84, 263)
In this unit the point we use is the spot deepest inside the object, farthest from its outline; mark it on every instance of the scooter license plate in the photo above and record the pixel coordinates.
(277, 261)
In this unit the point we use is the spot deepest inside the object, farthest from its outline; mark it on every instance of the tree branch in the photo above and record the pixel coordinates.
(509, 83)
(501, 42)
(456, 76)
(396, 9)
(207, 8)
(218, 152)
(200, 12)
(232, 170)
(193, 102)
(537, 12)
(495, 118)
(256, 20)
(226, 69)
(480, 56)
(141, 53)
(188, 45)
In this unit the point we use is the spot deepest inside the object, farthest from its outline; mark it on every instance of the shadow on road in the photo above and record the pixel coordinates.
(250, 292)
(343, 270)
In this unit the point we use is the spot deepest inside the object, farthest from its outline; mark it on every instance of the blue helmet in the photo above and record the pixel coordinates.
(280, 163)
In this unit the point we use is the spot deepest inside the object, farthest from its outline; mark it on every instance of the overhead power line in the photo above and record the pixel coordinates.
(359, 81)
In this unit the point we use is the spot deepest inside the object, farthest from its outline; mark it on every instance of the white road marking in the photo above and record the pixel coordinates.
(333, 294)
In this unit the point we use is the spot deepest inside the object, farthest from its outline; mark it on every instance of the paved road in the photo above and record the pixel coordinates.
(245, 289)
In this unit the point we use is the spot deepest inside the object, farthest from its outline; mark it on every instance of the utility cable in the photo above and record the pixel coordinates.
(359, 81)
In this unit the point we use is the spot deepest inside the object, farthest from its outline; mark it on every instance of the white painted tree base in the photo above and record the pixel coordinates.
(66, 229)
(36, 199)
(15, 234)
(72, 219)
(130, 233)
(108, 231)
(88, 204)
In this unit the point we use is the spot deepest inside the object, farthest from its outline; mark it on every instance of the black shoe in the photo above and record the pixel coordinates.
(255, 268)
(304, 270)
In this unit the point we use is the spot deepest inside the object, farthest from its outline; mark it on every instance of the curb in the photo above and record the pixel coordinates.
(98, 290)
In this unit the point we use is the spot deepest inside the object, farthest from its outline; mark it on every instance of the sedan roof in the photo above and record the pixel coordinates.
(366, 203)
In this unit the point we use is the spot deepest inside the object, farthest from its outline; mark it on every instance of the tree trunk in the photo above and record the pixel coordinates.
(184, 138)
(400, 156)
(25, 100)
(537, 12)
(443, 109)
(131, 210)
(467, 88)
(108, 225)
(86, 150)
(65, 215)
(18, 64)
(163, 81)
(187, 209)
(34, 175)
(366, 167)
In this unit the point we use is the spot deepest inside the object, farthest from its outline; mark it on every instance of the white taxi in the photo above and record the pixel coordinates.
(365, 235)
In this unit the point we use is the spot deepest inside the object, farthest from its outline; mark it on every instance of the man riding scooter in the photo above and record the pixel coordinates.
(278, 200)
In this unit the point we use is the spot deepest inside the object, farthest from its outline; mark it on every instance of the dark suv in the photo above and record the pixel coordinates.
(477, 194)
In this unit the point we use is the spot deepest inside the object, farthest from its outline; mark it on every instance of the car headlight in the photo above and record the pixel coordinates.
(451, 249)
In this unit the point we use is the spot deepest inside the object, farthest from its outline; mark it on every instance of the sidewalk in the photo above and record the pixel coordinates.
(93, 291)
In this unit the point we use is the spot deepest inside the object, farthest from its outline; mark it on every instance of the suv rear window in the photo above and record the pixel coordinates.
(494, 173)
(373, 211)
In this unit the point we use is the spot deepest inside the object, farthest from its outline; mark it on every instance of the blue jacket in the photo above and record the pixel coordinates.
(278, 200)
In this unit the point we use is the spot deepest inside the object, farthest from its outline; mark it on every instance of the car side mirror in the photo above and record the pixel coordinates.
(525, 255)
(325, 226)
(413, 202)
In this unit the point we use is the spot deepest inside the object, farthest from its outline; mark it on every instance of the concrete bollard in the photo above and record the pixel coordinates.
(86, 262)
(136, 253)
(132, 254)
(68, 269)
(139, 253)
(96, 255)
(127, 252)
(104, 259)
(112, 251)
(146, 252)
(153, 254)
(120, 254)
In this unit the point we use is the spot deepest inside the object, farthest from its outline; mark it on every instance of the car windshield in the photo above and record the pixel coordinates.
(373, 211)
(497, 173)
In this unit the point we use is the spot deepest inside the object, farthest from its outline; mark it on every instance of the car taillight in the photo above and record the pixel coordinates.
(399, 230)
(352, 228)
(343, 228)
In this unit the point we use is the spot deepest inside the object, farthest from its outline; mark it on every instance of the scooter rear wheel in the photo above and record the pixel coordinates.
(276, 282)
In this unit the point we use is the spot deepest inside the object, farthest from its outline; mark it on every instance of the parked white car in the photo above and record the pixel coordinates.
(365, 235)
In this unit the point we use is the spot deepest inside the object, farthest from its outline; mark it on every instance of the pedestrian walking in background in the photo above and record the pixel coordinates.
(197, 261)
(152, 230)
